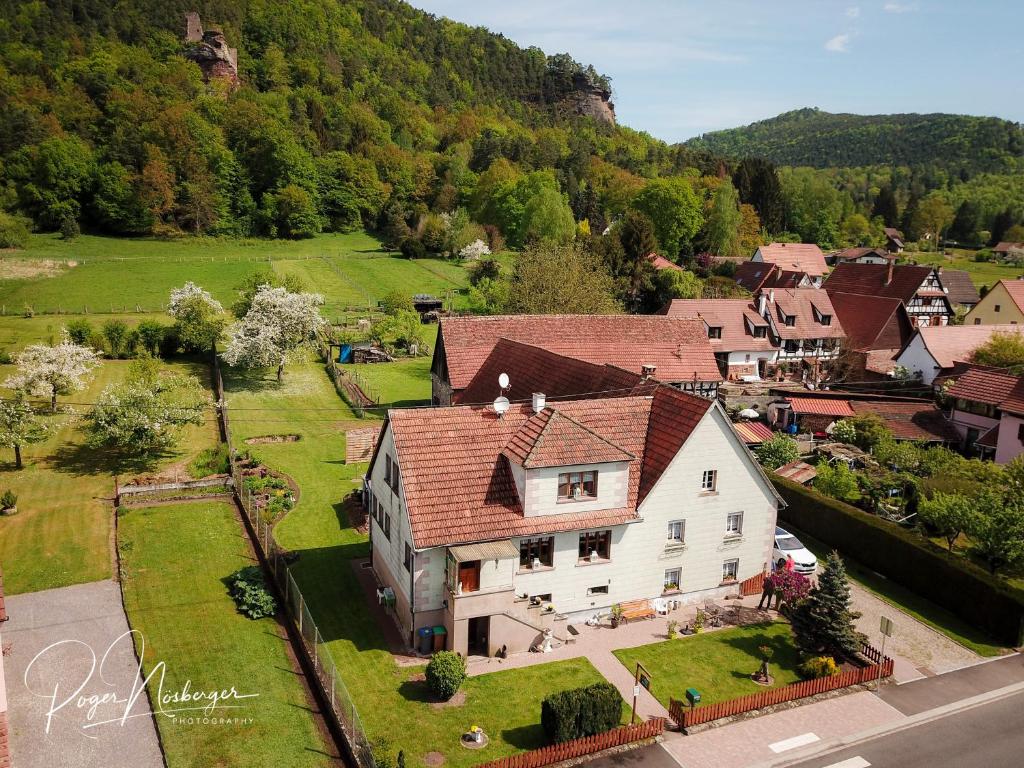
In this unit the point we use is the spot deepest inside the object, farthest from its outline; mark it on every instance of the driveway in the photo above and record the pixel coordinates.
(51, 689)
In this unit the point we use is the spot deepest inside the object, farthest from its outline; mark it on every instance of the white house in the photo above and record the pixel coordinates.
(936, 350)
(498, 526)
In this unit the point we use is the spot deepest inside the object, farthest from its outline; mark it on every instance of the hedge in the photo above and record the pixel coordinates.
(580, 712)
(946, 579)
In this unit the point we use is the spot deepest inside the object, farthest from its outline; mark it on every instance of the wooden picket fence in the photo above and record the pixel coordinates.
(570, 750)
(686, 716)
(753, 585)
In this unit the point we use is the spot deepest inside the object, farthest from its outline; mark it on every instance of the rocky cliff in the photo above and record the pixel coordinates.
(209, 49)
(589, 100)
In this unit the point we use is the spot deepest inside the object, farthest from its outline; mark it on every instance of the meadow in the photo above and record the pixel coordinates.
(983, 273)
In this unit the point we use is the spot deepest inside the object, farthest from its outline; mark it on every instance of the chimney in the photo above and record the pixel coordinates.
(538, 401)
(647, 370)
(762, 304)
(771, 296)
(888, 276)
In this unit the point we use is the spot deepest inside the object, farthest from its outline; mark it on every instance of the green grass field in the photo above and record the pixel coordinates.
(16, 332)
(982, 273)
(62, 532)
(180, 604)
(400, 384)
(718, 664)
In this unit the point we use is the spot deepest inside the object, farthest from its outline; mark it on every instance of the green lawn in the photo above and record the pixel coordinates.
(17, 331)
(982, 273)
(923, 610)
(62, 532)
(403, 383)
(189, 622)
(718, 663)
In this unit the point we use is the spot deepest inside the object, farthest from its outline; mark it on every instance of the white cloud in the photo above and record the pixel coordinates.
(853, 12)
(838, 44)
(899, 7)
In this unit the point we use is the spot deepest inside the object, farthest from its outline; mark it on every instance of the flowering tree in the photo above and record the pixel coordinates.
(790, 587)
(475, 250)
(145, 413)
(19, 425)
(277, 323)
(50, 371)
(199, 318)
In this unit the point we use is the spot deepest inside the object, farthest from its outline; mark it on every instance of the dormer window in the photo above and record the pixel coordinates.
(714, 332)
(821, 318)
(577, 486)
(790, 320)
(760, 332)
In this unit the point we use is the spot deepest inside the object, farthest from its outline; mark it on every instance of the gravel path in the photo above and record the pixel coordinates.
(921, 648)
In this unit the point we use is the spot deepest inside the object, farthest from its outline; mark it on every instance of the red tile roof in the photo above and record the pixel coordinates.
(852, 254)
(1016, 290)
(755, 275)
(795, 257)
(872, 322)
(959, 286)
(801, 303)
(678, 347)
(552, 439)
(881, 361)
(983, 386)
(533, 369)
(870, 279)
(894, 234)
(753, 432)
(798, 471)
(951, 344)
(660, 262)
(909, 420)
(820, 406)
(735, 317)
(459, 486)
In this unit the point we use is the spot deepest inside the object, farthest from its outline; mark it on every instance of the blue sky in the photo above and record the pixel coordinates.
(680, 68)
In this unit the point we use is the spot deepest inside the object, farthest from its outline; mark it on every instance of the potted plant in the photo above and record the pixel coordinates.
(8, 502)
(698, 621)
(671, 631)
(671, 587)
(616, 615)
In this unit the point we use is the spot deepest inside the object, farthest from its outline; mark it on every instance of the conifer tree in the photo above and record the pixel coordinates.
(823, 623)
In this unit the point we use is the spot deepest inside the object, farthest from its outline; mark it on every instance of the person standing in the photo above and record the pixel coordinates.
(789, 563)
(767, 590)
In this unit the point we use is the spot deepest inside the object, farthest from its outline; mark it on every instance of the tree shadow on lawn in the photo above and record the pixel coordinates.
(785, 652)
(524, 736)
(82, 459)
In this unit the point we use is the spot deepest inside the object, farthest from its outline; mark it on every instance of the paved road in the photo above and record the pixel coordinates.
(988, 736)
(653, 756)
(922, 695)
(85, 619)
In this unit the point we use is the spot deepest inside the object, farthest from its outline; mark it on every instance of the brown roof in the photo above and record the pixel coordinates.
(753, 432)
(533, 369)
(869, 279)
(798, 471)
(660, 262)
(820, 406)
(801, 303)
(552, 439)
(459, 486)
(795, 257)
(360, 444)
(735, 317)
(678, 347)
(872, 322)
(1016, 290)
(990, 387)
(910, 420)
(959, 286)
(950, 344)
(894, 234)
(881, 361)
(1006, 247)
(851, 254)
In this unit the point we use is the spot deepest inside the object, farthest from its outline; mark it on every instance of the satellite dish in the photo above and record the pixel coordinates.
(503, 381)
(501, 404)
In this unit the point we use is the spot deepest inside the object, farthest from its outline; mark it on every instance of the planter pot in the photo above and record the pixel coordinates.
(9, 511)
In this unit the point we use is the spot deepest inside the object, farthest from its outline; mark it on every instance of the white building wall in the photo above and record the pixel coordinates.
(390, 552)
(917, 359)
(542, 489)
(740, 358)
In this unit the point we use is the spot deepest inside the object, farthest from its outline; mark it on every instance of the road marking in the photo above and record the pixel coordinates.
(853, 762)
(797, 741)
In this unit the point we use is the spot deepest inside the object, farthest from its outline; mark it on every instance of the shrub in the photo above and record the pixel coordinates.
(445, 674)
(412, 248)
(581, 712)
(69, 228)
(946, 579)
(250, 593)
(5, 357)
(818, 666)
(776, 451)
(79, 330)
(9, 499)
(13, 231)
(210, 461)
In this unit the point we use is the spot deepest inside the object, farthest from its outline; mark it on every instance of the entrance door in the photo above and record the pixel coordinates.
(479, 628)
(469, 575)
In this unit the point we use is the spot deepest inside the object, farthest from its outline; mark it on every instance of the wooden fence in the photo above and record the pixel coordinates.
(569, 750)
(686, 716)
(753, 585)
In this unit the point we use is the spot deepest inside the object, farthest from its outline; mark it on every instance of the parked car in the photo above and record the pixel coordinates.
(804, 562)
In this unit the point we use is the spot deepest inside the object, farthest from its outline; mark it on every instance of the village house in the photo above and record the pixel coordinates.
(917, 287)
(795, 257)
(938, 351)
(739, 335)
(861, 255)
(1007, 251)
(876, 330)
(757, 276)
(906, 418)
(677, 348)
(499, 523)
(1003, 305)
(803, 326)
(893, 240)
(959, 288)
(988, 413)
(659, 262)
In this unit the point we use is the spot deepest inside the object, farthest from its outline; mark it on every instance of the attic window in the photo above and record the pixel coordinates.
(760, 332)
(576, 486)
(790, 320)
(714, 332)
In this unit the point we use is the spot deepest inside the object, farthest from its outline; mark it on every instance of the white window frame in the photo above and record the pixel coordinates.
(678, 572)
(672, 539)
(731, 566)
(734, 524)
(709, 480)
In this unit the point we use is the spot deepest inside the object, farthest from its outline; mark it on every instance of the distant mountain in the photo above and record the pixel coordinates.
(825, 140)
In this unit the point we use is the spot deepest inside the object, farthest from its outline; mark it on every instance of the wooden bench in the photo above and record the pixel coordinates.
(637, 609)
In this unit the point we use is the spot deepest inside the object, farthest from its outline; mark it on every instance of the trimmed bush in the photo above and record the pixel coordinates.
(946, 579)
(250, 593)
(412, 248)
(446, 672)
(581, 712)
(819, 666)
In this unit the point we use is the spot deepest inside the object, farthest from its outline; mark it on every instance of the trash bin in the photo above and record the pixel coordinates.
(440, 634)
(425, 641)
